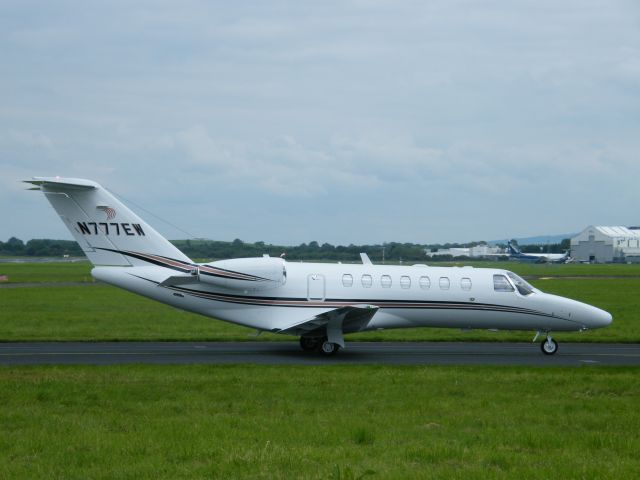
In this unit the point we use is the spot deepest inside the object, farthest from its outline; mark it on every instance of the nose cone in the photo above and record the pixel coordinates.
(600, 318)
(592, 317)
(585, 315)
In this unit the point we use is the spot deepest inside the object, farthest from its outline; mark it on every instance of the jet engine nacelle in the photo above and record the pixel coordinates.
(259, 273)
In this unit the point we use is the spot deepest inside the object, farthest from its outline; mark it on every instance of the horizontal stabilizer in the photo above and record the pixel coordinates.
(354, 318)
(66, 183)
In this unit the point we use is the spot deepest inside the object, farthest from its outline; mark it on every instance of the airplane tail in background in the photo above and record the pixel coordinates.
(106, 230)
(513, 250)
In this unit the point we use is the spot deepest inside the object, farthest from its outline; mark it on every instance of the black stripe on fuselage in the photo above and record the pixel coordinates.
(337, 303)
(222, 273)
(181, 266)
(155, 260)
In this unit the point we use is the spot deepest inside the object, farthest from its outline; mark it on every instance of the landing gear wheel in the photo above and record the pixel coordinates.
(310, 344)
(549, 346)
(329, 348)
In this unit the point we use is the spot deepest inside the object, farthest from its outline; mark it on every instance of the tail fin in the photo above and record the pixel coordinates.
(107, 231)
(513, 250)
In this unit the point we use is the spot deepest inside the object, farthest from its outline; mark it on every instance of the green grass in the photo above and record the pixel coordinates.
(107, 313)
(47, 272)
(101, 312)
(318, 422)
(554, 270)
(81, 271)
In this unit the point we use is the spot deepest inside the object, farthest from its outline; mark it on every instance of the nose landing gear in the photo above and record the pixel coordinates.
(548, 346)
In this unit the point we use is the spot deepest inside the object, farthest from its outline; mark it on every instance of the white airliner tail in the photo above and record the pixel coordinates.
(108, 232)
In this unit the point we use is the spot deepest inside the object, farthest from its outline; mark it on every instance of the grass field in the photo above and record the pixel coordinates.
(47, 272)
(319, 422)
(100, 312)
(327, 422)
(81, 271)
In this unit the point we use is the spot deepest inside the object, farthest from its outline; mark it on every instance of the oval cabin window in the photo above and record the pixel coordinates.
(425, 283)
(444, 283)
(465, 284)
(405, 282)
(385, 281)
(347, 280)
(367, 281)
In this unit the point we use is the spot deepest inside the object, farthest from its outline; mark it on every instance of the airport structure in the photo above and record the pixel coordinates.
(473, 252)
(607, 244)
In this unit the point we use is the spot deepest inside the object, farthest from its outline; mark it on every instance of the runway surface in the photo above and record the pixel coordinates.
(285, 353)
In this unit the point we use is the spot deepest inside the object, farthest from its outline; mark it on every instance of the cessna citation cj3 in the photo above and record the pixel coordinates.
(315, 301)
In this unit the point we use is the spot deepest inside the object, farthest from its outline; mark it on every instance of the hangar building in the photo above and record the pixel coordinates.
(607, 244)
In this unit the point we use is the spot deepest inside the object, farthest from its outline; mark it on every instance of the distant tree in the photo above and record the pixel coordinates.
(14, 245)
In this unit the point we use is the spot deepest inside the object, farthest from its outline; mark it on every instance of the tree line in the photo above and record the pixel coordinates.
(312, 251)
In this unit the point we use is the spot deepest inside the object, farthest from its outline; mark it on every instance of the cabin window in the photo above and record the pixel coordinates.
(405, 282)
(385, 281)
(465, 284)
(367, 281)
(347, 280)
(444, 283)
(501, 284)
(425, 283)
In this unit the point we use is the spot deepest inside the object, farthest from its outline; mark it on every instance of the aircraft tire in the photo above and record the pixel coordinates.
(310, 344)
(549, 346)
(327, 348)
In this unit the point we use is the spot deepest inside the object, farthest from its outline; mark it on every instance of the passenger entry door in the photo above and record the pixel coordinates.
(315, 287)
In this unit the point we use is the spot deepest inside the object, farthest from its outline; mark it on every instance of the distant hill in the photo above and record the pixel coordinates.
(539, 240)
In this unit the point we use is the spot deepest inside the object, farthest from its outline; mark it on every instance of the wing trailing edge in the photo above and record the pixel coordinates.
(352, 318)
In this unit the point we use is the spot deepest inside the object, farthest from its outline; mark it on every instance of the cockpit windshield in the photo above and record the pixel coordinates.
(522, 285)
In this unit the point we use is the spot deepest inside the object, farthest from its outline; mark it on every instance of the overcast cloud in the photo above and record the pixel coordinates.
(340, 122)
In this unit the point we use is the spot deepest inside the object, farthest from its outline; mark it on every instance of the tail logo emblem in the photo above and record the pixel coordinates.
(110, 212)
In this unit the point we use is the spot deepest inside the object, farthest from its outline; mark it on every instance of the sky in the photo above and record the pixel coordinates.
(344, 122)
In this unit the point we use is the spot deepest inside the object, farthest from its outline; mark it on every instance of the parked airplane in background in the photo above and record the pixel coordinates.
(516, 254)
(317, 302)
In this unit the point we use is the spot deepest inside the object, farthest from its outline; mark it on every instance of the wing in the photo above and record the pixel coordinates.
(353, 318)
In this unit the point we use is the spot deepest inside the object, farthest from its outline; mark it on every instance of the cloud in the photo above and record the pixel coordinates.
(440, 117)
(30, 140)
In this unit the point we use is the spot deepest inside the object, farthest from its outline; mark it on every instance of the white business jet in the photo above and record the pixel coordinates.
(317, 302)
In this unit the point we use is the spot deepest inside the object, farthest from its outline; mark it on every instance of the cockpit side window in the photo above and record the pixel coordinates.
(501, 284)
(522, 285)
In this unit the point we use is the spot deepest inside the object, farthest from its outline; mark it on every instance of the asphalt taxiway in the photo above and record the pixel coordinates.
(281, 353)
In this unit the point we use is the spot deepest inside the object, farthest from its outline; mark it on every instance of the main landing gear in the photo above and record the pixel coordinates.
(319, 344)
(548, 346)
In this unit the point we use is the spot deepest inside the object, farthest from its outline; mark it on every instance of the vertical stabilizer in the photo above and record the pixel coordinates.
(106, 230)
(513, 250)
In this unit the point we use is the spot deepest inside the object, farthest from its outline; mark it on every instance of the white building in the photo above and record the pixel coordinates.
(607, 244)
